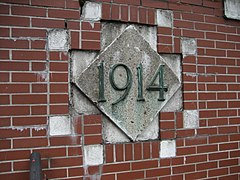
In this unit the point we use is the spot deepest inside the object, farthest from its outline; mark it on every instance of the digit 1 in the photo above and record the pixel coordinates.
(101, 97)
(140, 84)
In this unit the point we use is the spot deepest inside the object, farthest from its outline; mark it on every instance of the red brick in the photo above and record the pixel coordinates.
(116, 167)
(52, 3)
(55, 174)
(14, 21)
(14, 110)
(74, 151)
(4, 122)
(91, 45)
(29, 99)
(14, 44)
(29, 32)
(58, 88)
(4, 9)
(4, 32)
(131, 175)
(128, 152)
(145, 164)
(142, 15)
(5, 167)
(217, 172)
(47, 23)
(115, 13)
(186, 151)
(18, 175)
(196, 175)
(63, 162)
(119, 152)
(93, 139)
(229, 162)
(133, 14)
(91, 36)
(77, 171)
(106, 11)
(124, 13)
(62, 141)
(66, 14)
(154, 4)
(151, 16)
(158, 172)
(146, 150)
(137, 151)
(59, 109)
(196, 158)
(14, 88)
(183, 169)
(109, 153)
(14, 155)
(207, 148)
(5, 144)
(28, 11)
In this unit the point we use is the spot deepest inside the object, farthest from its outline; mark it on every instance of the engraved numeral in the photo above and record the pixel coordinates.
(160, 86)
(126, 87)
(140, 83)
(101, 97)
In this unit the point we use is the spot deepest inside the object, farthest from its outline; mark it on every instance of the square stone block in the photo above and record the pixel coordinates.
(58, 40)
(93, 155)
(59, 125)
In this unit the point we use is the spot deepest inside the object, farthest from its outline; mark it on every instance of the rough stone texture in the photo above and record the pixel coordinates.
(59, 125)
(110, 31)
(164, 18)
(189, 46)
(168, 149)
(93, 155)
(232, 9)
(151, 132)
(129, 115)
(190, 119)
(175, 103)
(81, 104)
(58, 40)
(111, 133)
(92, 11)
(80, 60)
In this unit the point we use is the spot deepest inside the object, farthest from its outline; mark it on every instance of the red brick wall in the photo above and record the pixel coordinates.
(35, 85)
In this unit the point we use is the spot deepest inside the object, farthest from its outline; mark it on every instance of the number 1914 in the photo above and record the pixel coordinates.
(129, 79)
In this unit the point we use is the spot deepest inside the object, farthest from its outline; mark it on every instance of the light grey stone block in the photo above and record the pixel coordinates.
(93, 155)
(92, 11)
(59, 125)
(232, 9)
(58, 40)
(189, 46)
(168, 149)
(164, 18)
(190, 119)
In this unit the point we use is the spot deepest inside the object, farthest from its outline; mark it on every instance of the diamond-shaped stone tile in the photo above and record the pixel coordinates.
(127, 51)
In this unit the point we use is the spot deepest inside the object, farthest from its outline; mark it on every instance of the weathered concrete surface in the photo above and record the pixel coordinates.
(130, 115)
(58, 40)
(168, 149)
(92, 11)
(190, 119)
(80, 60)
(175, 103)
(110, 31)
(189, 46)
(93, 155)
(232, 9)
(59, 125)
(164, 18)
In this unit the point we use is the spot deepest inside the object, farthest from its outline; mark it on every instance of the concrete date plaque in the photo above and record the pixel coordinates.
(129, 82)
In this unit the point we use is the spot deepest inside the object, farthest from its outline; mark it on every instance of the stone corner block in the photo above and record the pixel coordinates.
(190, 119)
(164, 18)
(59, 125)
(232, 9)
(92, 11)
(93, 155)
(168, 149)
(189, 46)
(58, 40)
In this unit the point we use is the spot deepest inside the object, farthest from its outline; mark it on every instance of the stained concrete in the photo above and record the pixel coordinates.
(130, 48)
(232, 9)
(58, 40)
